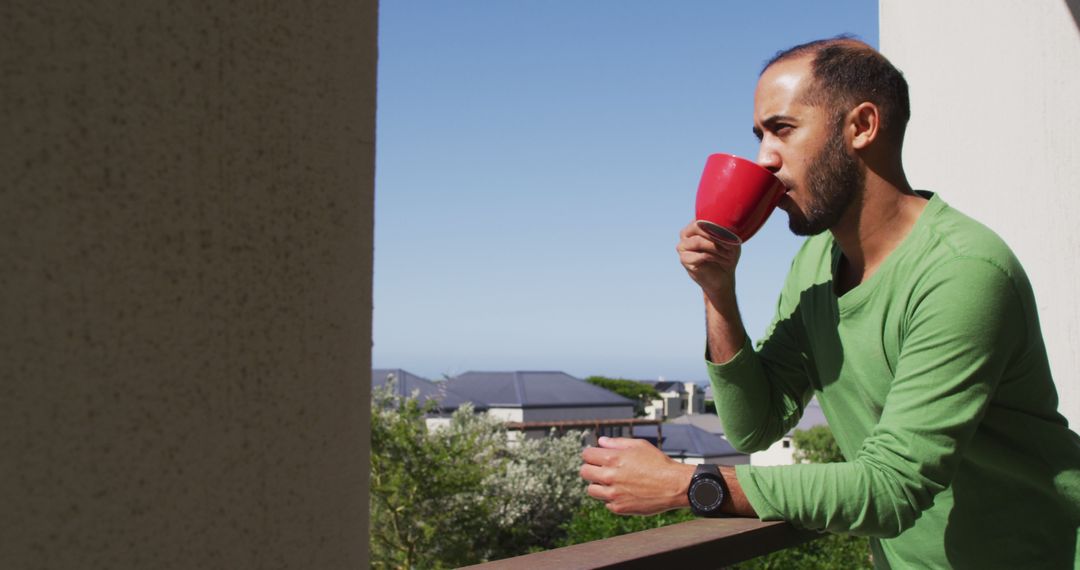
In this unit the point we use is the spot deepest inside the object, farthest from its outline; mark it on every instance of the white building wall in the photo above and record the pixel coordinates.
(726, 460)
(779, 453)
(507, 414)
(995, 88)
(655, 410)
(673, 406)
(696, 397)
(434, 423)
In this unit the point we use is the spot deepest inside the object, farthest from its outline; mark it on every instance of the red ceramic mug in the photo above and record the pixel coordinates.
(735, 197)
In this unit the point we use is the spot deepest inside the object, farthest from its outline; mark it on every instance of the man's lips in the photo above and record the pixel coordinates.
(785, 199)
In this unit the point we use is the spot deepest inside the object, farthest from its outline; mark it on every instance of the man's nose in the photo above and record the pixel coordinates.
(769, 159)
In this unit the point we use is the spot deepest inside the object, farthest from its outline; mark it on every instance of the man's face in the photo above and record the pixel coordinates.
(804, 146)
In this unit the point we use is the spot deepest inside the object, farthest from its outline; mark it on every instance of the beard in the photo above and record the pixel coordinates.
(833, 181)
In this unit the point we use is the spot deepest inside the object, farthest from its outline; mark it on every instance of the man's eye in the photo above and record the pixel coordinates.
(782, 130)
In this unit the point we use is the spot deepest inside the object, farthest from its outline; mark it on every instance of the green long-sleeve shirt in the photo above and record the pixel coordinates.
(934, 378)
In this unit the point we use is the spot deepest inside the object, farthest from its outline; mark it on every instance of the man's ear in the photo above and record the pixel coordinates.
(864, 125)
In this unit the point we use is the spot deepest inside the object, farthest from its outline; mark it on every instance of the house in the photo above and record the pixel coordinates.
(537, 401)
(407, 384)
(533, 402)
(690, 444)
(676, 399)
(779, 453)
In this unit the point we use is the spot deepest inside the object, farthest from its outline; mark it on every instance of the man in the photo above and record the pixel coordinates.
(914, 325)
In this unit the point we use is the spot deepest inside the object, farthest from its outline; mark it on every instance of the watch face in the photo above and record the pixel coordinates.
(706, 494)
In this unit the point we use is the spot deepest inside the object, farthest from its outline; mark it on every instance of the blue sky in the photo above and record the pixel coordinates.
(536, 161)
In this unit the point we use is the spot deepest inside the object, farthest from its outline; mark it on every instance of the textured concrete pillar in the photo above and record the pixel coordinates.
(186, 199)
(994, 117)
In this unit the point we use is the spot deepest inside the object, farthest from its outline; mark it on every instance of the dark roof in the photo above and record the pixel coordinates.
(665, 385)
(533, 389)
(812, 416)
(669, 386)
(708, 422)
(684, 440)
(406, 383)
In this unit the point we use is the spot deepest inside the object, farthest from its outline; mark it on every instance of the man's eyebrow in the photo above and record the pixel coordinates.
(770, 122)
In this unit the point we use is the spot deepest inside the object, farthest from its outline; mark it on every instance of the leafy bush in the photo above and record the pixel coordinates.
(830, 552)
(462, 494)
(816, 445)
(642, 394)
(536, 491)
(594, 522)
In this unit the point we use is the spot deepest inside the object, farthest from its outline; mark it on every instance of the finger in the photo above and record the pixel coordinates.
(616, 442)
(700, 244)
(702, 257)
(595, 474)
(616, 508)
(706, 242)
(599, 492)
(598, 456)
(694, 261)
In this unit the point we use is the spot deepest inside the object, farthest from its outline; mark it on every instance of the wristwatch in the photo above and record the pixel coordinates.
(707, 491)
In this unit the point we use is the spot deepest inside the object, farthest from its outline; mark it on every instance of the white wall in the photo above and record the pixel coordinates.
(655, 410)
(995, 94)
(726, 460)
(673, 405)
(696, 397)
(781, 452)
(507, 414)
(434, 423)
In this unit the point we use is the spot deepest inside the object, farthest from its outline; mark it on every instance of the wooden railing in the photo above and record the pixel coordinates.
(697, 544)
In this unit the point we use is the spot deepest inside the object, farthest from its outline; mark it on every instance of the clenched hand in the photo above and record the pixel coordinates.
(710, 263)
(634, 477)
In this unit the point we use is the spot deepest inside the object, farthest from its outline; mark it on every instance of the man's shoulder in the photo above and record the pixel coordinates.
(952, 234)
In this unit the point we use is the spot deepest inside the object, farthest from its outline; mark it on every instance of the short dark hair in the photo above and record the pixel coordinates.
(848, 72)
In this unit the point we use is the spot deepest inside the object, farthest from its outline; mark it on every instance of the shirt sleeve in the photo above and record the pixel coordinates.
(964, 323)
(760, 395)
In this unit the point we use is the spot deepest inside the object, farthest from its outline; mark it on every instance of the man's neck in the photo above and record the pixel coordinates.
(875, 225)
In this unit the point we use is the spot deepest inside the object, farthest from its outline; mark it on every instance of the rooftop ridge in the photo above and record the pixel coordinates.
(517, 372)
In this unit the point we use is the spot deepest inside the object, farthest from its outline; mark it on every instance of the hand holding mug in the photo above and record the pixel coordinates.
(709, 261)
(734, 198)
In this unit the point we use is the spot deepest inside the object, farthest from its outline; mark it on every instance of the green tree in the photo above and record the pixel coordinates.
(816, 445)
(594, 522)
(833, 551)
(427, 500)
(641, 393)
(464, 494)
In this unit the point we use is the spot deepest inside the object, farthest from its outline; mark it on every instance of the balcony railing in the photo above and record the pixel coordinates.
(698, 544)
